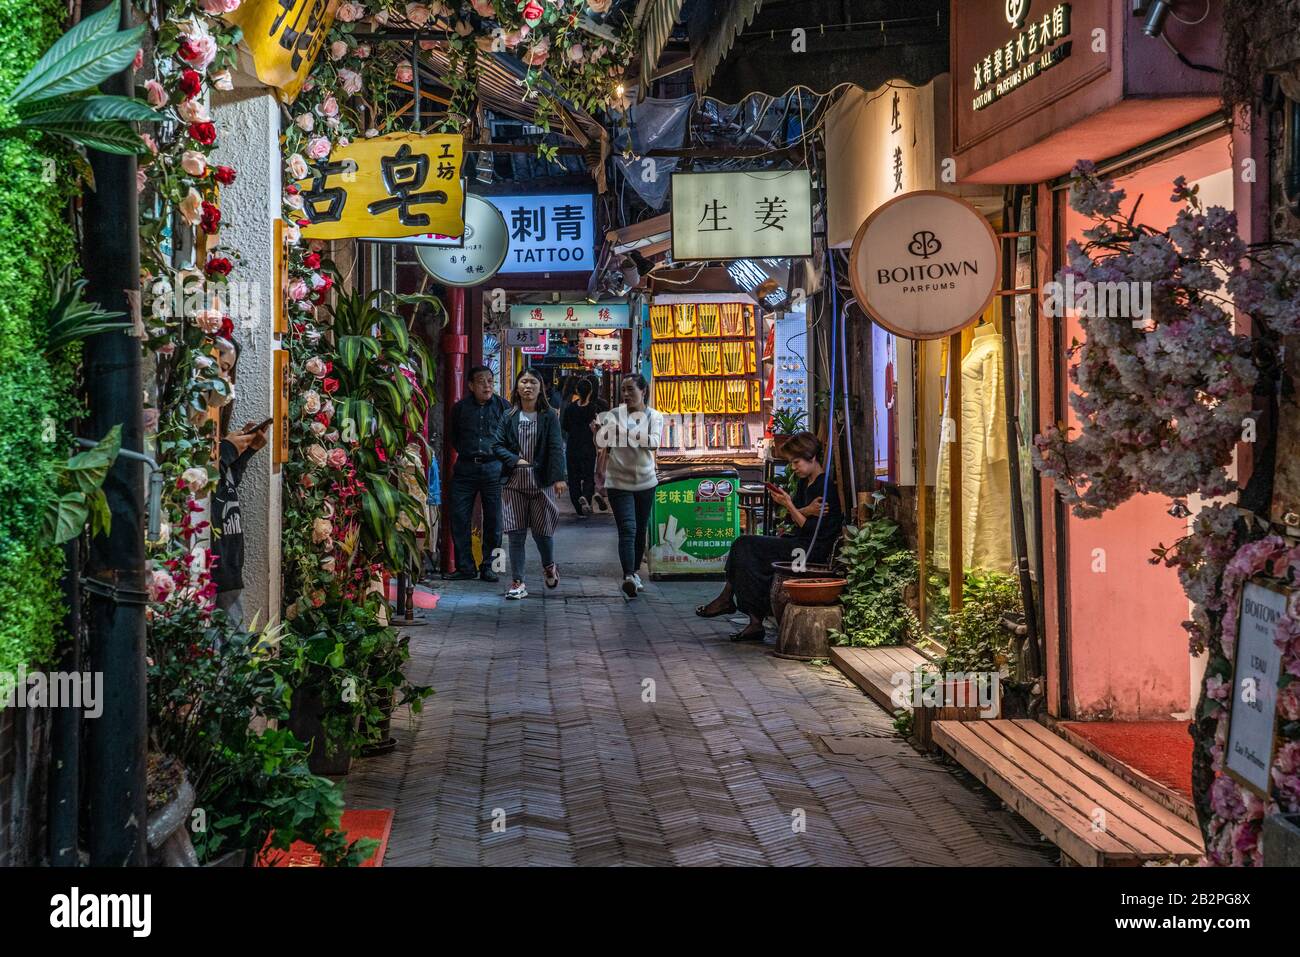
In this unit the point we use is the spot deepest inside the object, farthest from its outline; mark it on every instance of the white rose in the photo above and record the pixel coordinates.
(194, 111)
(311, 402)
(195, 479)
(192, 207)
(306, 122)
(297, 166)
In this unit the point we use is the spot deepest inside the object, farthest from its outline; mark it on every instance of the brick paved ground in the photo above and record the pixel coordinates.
(539, 716)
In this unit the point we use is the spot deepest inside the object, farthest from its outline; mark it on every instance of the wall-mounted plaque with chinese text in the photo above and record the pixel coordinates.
(745, 215)
(571, 315)
(400, 184)
(280, 409)
(284, 38)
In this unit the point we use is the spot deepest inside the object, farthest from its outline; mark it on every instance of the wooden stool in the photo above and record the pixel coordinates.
(804, 629)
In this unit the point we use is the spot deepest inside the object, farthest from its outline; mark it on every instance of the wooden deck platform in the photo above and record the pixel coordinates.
(872, 669)
(1094, 816)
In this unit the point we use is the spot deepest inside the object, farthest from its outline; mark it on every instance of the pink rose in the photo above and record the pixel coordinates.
(403, 74)
(297, 290)
(222, 80)
(363, 51)
(349, 12)
(311, 401)
(203, 50)
(194, 162)
(417, 13)
(317, 428)
(156, 93)
(539, 52)
(209, 320)
(329, 106)
(318, 148)
(193, 111)
(161, 585)
(337, 458)
(351, 81)
(218, 7)
(297, 166)
(338, 50)
(195, 479)
(575, 53)
(316, 454)
(483, 8)
(305, 122)
(599, 6)
(321, 528)
(192, 207)
(316, 366)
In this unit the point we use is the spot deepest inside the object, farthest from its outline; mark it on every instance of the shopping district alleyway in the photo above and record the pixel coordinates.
(539, 724)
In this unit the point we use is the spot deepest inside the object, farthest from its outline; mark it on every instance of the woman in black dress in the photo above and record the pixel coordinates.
(580, 444)
(749, 563)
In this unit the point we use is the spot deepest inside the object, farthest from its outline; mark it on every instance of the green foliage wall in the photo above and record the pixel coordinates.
(34, 238)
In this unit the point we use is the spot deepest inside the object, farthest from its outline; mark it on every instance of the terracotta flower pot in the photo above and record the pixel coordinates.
(815, 591)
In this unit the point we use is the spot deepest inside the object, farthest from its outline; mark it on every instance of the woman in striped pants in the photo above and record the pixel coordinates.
(528, 444)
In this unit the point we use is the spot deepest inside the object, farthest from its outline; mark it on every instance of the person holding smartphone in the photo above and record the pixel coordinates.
(817, 524)
(233, 454)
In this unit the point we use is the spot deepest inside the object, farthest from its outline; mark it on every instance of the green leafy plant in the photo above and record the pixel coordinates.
(788, 422)
(340, 655)
(59, 95)
(976, 640)
(211, 685)
(380, 407)
(72, 318)
(879, 569)
(80, 493)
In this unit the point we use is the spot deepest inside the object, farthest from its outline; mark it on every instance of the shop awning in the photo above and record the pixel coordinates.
(654, 19)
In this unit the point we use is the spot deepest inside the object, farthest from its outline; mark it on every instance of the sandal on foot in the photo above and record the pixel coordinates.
(750, 634)
(703, 610)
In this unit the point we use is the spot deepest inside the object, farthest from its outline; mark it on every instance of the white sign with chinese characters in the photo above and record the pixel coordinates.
(601, 345)
(549, 232)
(1025, 55)
(571, 315)
(1257, 667)
(742, 215)
(483, 252)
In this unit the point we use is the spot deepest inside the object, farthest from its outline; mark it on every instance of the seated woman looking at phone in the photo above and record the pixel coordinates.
(749, 563)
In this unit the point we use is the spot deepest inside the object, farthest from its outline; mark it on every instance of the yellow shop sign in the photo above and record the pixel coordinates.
(388, 187)
(284, 38)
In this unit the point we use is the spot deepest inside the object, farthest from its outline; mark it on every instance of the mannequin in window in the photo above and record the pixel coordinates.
(986, 480)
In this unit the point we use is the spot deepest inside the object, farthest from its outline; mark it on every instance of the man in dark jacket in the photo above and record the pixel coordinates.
(474, 421)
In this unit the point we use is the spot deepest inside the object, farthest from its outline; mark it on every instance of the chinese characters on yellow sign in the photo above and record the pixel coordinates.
(284, 38)
(402, 184)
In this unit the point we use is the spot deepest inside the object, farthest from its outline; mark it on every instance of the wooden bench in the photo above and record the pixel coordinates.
(1095, 817)
(872, 669)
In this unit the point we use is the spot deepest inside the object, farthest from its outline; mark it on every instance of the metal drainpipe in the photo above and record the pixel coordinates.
(455, 346)
(114, 608)
(65, 729)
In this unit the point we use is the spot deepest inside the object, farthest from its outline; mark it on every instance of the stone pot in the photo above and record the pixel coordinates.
(167, 832)
(782, 572)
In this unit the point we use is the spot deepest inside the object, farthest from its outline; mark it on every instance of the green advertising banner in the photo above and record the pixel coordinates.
(695, 521)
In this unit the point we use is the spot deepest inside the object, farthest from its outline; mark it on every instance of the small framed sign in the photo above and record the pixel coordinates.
(1256, 668)
(280, 410)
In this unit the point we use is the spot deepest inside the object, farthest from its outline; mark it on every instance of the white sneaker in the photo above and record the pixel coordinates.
(637, 580)
(516, 591)
(629, 586)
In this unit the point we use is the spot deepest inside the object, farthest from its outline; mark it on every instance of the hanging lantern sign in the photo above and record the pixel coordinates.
(486, 245)
(925, 265)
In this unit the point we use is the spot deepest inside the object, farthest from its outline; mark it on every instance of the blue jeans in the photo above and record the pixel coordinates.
(545, 548)
(632, 516)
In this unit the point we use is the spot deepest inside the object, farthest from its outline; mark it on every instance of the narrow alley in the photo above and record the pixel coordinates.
(539, 724)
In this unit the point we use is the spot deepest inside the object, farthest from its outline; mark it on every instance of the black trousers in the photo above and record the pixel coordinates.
(468, 480)
(750, 572)
(632, 512)
(582, 474)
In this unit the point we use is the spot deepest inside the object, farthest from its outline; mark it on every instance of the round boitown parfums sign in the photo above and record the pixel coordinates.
(925, 265)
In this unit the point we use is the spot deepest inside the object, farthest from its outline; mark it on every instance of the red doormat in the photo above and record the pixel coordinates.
(1162, 750)
(423, 598)
(356, 824)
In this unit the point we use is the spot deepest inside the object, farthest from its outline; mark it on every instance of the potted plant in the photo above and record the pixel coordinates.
(785, 423)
